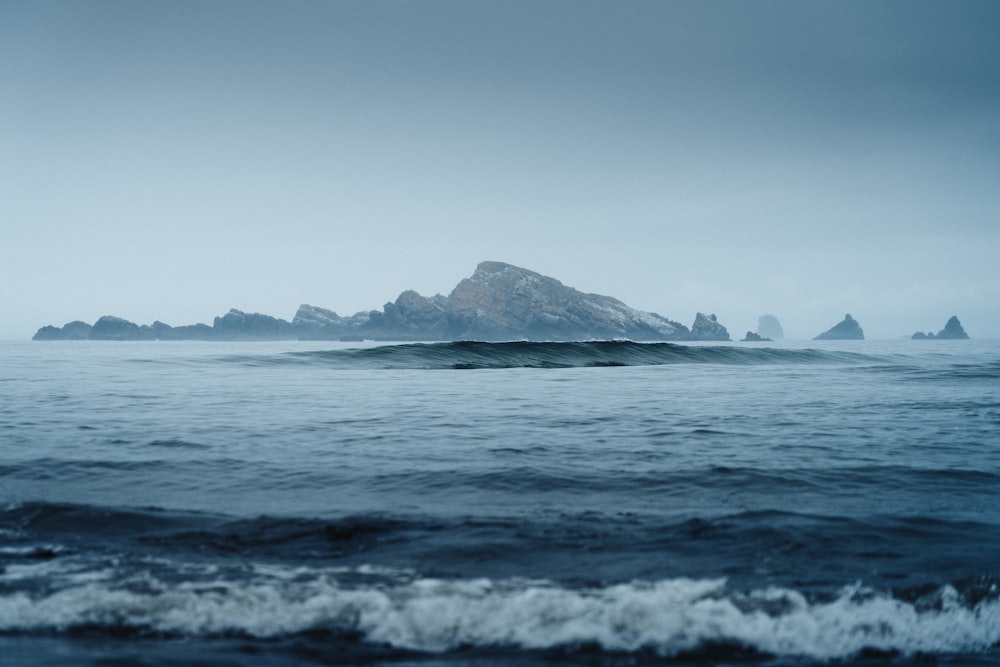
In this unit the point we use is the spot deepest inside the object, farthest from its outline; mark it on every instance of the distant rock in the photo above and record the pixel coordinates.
(160, 331)
(953, 330)
(497, 302)
(314, 323)
(503, 302)
(707, 327)
(847, 329)
(252, 326)
(311, 316)
(751, 337)
(412, 316)
(110, 327)
(75, 330)
(768, 326)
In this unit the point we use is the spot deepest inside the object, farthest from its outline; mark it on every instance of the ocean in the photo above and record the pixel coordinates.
(594, 503)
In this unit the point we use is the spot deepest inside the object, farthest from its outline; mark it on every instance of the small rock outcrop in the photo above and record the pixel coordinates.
(768, 326)
(707, 327)
(751, 337)
(953, 330)
(846, 329)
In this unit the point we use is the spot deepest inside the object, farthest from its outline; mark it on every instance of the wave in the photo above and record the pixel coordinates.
(669, 616)
(101, 571)
(527, 354)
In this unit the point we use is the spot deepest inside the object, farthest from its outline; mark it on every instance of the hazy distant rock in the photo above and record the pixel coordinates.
(847, 329)
(75, 330)
(707, 327)
(110, 327)
(314, 323)
(411, 316)
(49, 332)
(751, 337)
(237, 325)
(309, 316)
(953, 330)
(160, 331)
(498, 302)
(768, 326)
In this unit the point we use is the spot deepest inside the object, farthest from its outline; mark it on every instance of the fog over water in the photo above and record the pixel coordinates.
(170, 161)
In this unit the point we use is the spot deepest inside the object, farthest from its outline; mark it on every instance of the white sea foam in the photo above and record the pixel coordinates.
(437, 615)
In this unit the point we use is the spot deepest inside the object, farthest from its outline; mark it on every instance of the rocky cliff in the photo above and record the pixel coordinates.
(497, 302)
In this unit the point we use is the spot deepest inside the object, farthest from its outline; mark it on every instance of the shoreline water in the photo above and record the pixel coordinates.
(261, 503)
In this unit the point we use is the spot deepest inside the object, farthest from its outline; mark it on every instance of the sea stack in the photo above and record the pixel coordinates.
(846, 329)
(768, 326)
(707, 327)
(953, 330)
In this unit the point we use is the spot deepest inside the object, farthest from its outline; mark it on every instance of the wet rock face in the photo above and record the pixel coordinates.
(846, 329)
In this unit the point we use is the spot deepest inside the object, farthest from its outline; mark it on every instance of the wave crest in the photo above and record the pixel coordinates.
(669, 617)
(527, 354)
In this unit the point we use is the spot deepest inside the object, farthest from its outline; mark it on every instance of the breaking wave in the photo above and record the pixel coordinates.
(669, 617)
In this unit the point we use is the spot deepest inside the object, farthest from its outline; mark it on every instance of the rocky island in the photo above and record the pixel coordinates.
(846, 329)
(768, 326)
(498, 302)
(953, 330)
(768, 329)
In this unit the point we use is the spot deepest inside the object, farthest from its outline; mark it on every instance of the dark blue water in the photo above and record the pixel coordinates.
(472, 504)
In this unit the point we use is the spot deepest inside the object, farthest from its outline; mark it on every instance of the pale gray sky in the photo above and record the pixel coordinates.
(172, 160)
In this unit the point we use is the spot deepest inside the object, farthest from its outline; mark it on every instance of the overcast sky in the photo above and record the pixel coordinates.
(173, 160)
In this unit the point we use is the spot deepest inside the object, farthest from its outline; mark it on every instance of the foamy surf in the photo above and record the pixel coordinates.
(435, 615)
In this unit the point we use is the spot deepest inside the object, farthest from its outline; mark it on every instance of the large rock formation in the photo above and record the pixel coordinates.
(707, 327)
(953, 330)
(768, 326)
(847, 329)
(498, 302)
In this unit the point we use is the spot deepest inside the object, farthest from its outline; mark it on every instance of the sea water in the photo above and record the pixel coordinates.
(517, 503)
